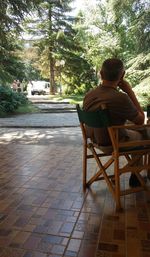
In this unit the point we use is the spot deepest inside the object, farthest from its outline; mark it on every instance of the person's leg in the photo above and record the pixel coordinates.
(145, 135)
(134, 135)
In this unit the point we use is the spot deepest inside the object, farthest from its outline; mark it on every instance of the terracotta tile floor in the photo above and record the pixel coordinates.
(44, 212)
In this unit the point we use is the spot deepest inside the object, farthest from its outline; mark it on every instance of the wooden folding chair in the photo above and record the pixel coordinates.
(133, 151)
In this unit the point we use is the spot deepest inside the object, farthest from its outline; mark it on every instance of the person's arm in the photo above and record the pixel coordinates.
(125, 86)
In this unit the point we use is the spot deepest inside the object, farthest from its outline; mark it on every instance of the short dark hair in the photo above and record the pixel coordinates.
(111, 69)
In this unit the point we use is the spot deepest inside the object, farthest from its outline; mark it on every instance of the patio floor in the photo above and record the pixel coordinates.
(44, 212)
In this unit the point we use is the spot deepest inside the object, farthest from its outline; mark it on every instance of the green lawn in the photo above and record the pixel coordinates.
(73, 99)
(28, 108)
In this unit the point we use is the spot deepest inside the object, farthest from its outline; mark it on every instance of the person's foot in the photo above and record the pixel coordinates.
(133, 181)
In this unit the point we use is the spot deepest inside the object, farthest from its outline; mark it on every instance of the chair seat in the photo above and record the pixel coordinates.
(106, 149)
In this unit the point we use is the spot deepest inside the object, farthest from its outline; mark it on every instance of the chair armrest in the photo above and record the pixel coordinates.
(113, 130)
(134, 143)
(131, 126)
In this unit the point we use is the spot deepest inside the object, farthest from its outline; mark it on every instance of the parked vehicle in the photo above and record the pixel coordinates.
(40, 87)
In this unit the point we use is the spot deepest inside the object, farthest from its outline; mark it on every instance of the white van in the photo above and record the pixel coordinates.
(40, 87)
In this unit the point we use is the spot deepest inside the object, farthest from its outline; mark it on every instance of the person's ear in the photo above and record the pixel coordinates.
(123, 73)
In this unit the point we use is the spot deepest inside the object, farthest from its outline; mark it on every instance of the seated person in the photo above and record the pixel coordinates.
(123, 106)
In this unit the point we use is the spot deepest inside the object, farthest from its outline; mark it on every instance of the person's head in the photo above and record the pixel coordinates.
(112, 69)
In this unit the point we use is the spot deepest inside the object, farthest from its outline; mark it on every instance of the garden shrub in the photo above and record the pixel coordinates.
(10, 100)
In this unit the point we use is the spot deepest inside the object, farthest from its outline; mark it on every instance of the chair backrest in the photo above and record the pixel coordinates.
(148, 111)
(94, 119)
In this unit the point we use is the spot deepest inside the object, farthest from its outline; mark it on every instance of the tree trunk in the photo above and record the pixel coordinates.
(51, 59)
(52, 75)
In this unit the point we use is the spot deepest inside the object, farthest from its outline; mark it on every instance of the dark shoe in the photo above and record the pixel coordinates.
(133, 181)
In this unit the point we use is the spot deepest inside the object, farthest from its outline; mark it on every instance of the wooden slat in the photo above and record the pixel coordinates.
(131, 126)
(134, 143)
(131, 190)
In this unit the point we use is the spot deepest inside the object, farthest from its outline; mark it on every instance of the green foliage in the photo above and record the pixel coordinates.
(10, 100)
(56, 34)
(59, 42)
(11, 66)
(100, 35)
(119, 29)
(142, 91)
(113, 28)
(11, 14)
(138, 71)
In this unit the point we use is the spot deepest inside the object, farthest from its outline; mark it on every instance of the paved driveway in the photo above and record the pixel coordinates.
(68, 119)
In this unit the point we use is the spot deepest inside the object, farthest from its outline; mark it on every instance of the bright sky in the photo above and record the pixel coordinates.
(79, 4)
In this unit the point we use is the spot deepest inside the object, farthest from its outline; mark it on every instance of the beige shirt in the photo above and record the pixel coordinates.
(120, 107)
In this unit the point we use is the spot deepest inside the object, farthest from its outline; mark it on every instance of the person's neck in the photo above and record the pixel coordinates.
(108, 83)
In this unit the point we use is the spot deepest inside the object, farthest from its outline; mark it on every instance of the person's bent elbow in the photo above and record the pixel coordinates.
(139, 120)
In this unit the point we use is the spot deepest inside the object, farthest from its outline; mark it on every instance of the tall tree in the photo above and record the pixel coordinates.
(57, 41)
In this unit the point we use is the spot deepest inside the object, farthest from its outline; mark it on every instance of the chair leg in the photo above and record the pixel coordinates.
(148, 171)
(84, 166)
(117, 184)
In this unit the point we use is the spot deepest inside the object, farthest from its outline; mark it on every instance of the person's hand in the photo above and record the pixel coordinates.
(124, 86)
